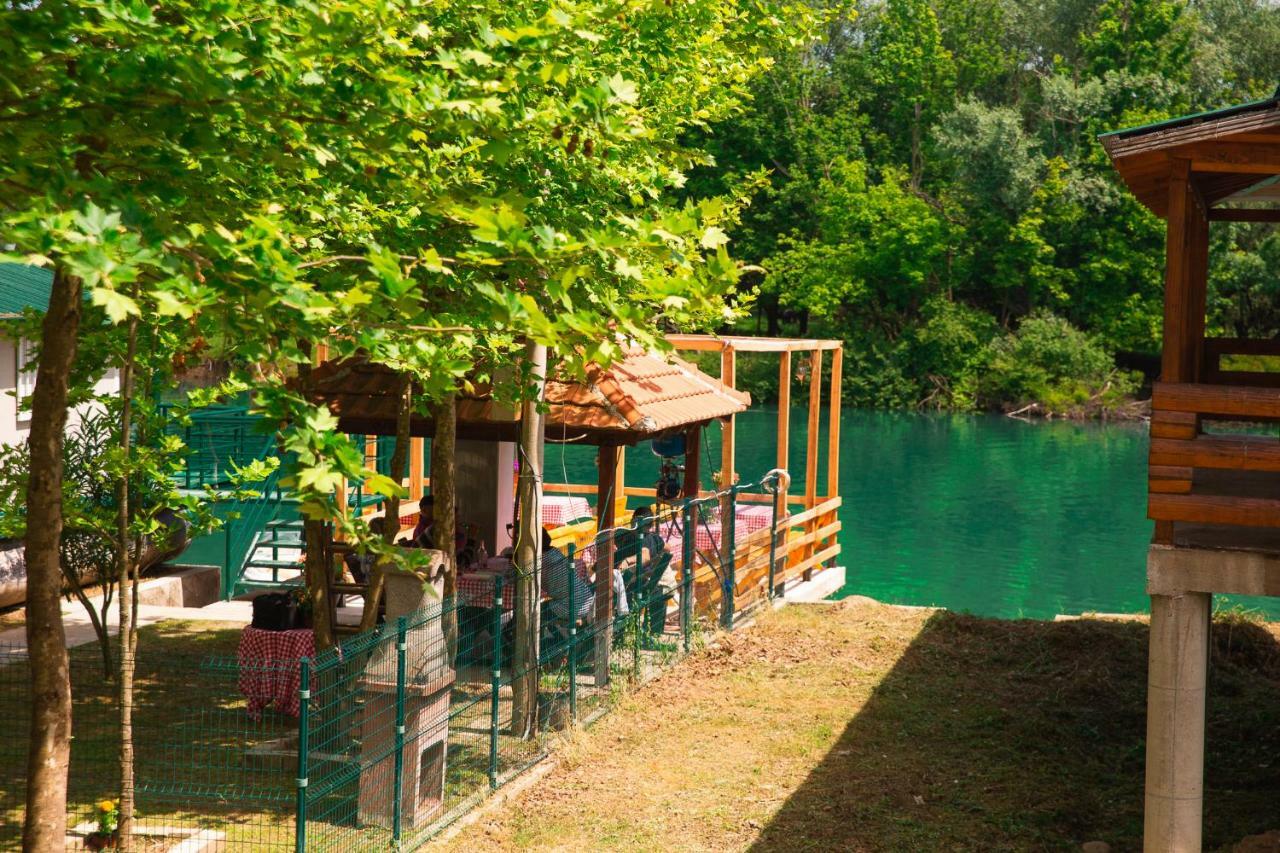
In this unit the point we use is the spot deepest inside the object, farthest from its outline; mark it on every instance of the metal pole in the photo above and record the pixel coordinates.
(304, 719)
(396, 809)
(495, 682)
(686, 570)
(573, 640)
(773, 536)
(728, 530)
(227, 580)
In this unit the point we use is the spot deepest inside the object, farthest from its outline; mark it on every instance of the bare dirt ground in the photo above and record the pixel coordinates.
(865, 727)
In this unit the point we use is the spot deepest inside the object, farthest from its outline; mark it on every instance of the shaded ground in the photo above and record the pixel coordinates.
(862, 727)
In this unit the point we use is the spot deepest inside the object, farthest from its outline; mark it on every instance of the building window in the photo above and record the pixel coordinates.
(26, 369)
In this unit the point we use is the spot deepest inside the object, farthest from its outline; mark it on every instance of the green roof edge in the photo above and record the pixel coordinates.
(1221, 112)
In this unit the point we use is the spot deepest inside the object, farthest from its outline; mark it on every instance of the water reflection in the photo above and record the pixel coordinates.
(982, 513)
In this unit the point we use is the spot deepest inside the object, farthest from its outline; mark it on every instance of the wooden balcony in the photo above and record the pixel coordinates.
(1214, 464)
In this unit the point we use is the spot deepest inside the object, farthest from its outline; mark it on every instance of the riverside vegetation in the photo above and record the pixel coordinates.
(936, 195)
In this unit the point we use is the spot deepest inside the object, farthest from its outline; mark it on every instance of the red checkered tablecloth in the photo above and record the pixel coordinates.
(475, 588)
(269, 667)
(559, 510)
(749, 519)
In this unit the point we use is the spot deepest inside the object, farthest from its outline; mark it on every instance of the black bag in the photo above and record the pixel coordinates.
(274, 611)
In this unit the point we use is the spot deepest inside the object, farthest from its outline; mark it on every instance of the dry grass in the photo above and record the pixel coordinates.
(861, 727)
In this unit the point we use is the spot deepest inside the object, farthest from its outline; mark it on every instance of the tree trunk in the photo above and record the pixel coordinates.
(49, 751)
(528, 551)
(127, 584)
(391, 506)
(606, 520)
(315, 562)
(443, 489)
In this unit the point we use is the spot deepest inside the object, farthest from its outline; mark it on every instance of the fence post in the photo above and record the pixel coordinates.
(686, 570)
(573, 639)
(728, 533)
(304, 721)
(401, 647)
(773, 536)
(227, 580)
(638, 605)
(495, 682)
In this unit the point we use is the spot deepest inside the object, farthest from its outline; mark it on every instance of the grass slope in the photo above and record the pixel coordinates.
(863, 727)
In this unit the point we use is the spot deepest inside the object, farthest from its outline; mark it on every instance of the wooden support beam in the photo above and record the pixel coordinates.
(1228, 214)
(1197, 282)
(416, 473)
(1175, 359)
(811, 445)
(811, 454)
(833, 425)
(692, 458)
(784, 410)
(728, 446)
(1233, 157)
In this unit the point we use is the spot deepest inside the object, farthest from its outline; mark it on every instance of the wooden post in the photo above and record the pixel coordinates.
(729, 376)
(692, 457)
(416, 447)
(1197, 281)
(1178, 358)
(1175, 359)
(606, 506)
(811, 449)
(833, 437)
(784, 410)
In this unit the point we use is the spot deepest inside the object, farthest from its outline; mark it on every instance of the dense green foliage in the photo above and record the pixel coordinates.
(934, 180)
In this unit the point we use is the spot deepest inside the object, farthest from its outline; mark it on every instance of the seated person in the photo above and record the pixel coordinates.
(557, 574)
(651, 540)
(424, 531)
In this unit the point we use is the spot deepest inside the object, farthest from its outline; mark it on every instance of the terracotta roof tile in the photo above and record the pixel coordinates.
(642, 394)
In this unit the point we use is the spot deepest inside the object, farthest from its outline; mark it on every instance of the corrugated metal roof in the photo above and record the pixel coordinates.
(22, 287)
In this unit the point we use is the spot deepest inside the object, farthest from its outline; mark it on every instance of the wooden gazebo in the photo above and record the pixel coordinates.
(1214, 488)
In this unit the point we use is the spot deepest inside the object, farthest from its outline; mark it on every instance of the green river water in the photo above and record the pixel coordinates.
(979, 513)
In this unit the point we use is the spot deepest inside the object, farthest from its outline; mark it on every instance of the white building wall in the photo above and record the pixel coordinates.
(15, 425)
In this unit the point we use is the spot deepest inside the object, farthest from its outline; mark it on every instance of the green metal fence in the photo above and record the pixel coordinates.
(382, 742)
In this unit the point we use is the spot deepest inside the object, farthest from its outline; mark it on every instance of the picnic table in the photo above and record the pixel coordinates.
(559, 510)
(269, 667)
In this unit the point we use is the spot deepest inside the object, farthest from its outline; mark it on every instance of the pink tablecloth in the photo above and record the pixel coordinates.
(559, 510)
(269, 667)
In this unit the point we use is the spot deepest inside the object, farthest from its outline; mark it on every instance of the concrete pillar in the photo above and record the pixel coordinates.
(486, 489)
(1176, 678)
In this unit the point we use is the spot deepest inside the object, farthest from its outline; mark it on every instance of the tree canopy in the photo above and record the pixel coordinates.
(935, 182)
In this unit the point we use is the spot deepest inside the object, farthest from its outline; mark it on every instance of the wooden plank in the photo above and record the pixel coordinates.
(811, 562)
(1174, 358)
(1232, 156)
(417, 450)
(1183, 418)
(1250, 454)
(709, 343)
(1228, 214)
(728, 431)
(1169, 472)
(1214, 509)
(1169, 487)
(1197, 283)
(1172, 430)
(1215, 399)
(804, 540)
(1240, 346)
(813, 512)
(833, 425)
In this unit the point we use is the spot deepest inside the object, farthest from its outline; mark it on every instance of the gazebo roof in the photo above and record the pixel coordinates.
(638, 397)
(1233, 155)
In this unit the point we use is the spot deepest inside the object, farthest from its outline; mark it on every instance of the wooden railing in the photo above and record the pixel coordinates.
(1227, 489)
(1213, 373)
